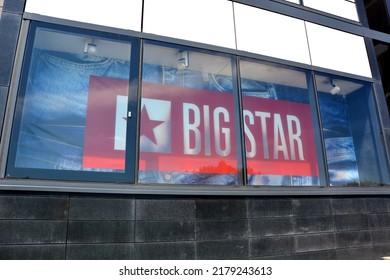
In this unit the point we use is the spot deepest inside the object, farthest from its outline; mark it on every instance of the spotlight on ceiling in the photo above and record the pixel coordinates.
(90, 47)
(335, 89)
(183, 60)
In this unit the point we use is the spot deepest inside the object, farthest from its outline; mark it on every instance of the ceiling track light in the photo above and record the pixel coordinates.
(90, 47)
(335, 89)
(183, 60)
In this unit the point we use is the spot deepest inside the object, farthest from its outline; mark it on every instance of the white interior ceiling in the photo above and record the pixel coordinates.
(66, 42)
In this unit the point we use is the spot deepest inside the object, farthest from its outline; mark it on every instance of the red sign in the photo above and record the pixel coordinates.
(279, 138)
(187, 130)
(101, 138)
(193, 130)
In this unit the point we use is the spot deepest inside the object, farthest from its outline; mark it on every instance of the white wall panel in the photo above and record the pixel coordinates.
(267, 33)
(293, 1)
(337, 50)
(341, 8)
(204, 21)
(125, 14)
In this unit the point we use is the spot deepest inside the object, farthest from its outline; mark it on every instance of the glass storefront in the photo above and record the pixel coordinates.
(95, 106)
(187, 132)
(73, 108)
(354, 152)
(279, 126)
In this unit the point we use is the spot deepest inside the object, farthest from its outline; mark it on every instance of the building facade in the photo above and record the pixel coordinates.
(171, 129)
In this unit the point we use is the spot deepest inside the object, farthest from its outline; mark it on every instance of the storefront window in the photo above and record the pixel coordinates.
(187, 131)
(198, 118)
(279, 128)
(355, 155)
(72, 104)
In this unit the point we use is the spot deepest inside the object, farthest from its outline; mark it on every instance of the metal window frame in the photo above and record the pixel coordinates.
(158, 189)
(127, 176)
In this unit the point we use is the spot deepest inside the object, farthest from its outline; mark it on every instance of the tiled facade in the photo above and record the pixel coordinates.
(67, 226)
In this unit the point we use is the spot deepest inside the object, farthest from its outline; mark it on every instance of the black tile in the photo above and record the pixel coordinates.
(312, 207)
(315, 224)
(165, 251)
(379, 221)
(351, 222)
(270, 207)
(271, 227)
(117, 251)
(271, 246)
(315, 242)
(364, 253)
(225, 229)
(9, 30)
(222, 208)
(380, 236)
(101, 208)
(165, 209)
(149, 231)
(378, 205)
(32, 252)
(32, 232)
(222, 249)
(318, 255)
(33, 207)
(353, 239)
(16, 6)
(100, 231)
(349, 205)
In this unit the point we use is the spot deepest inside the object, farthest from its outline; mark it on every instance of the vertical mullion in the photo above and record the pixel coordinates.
(318, 129)
(132, 130)
(240, 135)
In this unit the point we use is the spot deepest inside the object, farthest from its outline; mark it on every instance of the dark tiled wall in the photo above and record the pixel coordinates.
(69, 226)
(33, 226)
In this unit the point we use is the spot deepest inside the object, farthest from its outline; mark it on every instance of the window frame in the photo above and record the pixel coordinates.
(96, 186)
(127, 176)
(375, 124)
(236, 99)
(315, 114)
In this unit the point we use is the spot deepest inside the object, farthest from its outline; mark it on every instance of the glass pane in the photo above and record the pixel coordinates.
(342, 8)
(337, 50)
(203, 21)
(74, 104)
(270, 34)
(125, 14)
(354, 153)
(278, 125)
(187, 118)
